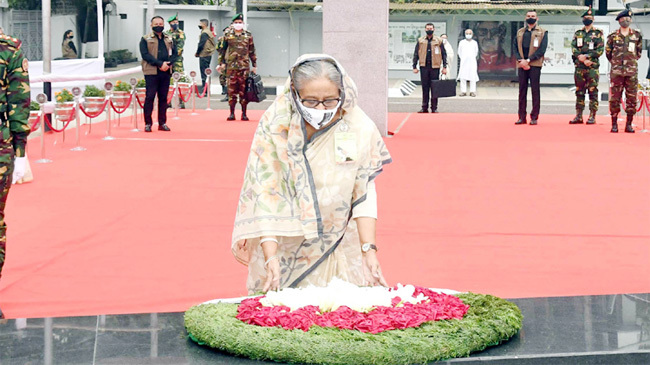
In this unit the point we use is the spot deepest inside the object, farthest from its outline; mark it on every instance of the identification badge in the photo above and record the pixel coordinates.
(591, 45)
(631, 47)
(437, 50)
(536, 43)
(579, 42)
(345, 147)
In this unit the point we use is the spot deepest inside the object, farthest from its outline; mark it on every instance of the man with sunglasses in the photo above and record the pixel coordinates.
(531, 46)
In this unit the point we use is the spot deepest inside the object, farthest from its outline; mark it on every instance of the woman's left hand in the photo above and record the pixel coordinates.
(372, 269)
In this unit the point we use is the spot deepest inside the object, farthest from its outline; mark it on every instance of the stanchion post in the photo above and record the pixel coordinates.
(42, 99)
(134, 100)
(176, 76)
(76, 91)
(644, 92)
(108, 86)
(208, 80)
(193, 90)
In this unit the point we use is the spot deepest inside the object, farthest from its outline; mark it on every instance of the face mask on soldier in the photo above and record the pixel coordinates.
(174, 26)
(238, 26)
(587, 21)
(624, 23)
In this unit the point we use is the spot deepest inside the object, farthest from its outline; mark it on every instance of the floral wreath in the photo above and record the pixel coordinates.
(405, 331)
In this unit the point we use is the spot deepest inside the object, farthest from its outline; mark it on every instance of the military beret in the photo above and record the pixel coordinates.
(172, 18)
(588, 12)
(237, 16)
(624, 13)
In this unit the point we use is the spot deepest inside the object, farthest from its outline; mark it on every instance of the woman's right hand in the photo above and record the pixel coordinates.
(272, 264)
(272, 275)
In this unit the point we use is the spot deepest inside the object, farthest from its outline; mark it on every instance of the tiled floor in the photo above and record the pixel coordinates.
(567, 330)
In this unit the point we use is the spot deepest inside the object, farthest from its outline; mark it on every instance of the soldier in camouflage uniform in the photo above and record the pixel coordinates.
(223, 80)
(587, 46)
(623, 49)
(237, 56)
(178, 36)
(14, 112)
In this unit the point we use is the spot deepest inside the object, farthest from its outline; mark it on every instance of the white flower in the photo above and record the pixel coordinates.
(340, 293)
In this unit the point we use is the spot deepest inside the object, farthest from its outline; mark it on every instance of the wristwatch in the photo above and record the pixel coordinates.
(367, 247)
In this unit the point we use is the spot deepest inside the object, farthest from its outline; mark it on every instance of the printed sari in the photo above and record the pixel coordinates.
(295, 190)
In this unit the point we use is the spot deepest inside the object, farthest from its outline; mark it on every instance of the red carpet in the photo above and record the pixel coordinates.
(471, 202)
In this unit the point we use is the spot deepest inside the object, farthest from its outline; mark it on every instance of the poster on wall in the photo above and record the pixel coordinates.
(402, 37)
(557, 59)
(496, 41)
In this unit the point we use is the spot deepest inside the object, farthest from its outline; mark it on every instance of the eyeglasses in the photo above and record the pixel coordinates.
(327, 103)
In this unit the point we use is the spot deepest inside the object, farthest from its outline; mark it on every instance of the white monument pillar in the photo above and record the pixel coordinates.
(356, 34)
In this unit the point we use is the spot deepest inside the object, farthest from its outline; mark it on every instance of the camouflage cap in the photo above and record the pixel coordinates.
(588, 12)
(238, 16)
(172, 18)
(624, 13)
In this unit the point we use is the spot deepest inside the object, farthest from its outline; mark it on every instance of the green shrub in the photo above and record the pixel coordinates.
(93, 91)
(64, 96)
(122, 86)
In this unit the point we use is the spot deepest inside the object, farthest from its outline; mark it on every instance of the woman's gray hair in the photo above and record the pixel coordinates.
(311, 70)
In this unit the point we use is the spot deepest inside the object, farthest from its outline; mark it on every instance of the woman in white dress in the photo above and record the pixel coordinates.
(468, 71)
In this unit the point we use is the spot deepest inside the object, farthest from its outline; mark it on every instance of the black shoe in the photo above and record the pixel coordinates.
(423, 110)
(577, 119)
(231, 117)
(614, 124)
(164, 127)
(244, 117)
(182, 105)
(592, 118)
(225, 98)
(2, 316)
(434, 110)
(147, 128)
(520, 121)
(629, 128)
(533, 122)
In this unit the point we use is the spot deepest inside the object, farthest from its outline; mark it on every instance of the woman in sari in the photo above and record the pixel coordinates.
(308, 207)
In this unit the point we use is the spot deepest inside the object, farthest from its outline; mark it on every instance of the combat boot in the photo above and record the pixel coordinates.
(614, 124)
(232, 112)
(628, 124)
(243, 113)
(592, 117)
(577, 119)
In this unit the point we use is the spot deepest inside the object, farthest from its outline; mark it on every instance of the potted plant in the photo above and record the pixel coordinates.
(184, 85)
(64, 105)
(93, 98)
(121, 93)
(141, 90)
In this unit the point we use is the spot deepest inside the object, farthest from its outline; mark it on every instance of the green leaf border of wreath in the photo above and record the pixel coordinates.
(489, 321)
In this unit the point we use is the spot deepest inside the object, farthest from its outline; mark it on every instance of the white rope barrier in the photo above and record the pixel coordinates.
(106, 75)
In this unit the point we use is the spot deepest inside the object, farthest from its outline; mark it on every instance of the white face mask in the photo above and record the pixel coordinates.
(238, 26)
(317, 118)
(468, 36)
